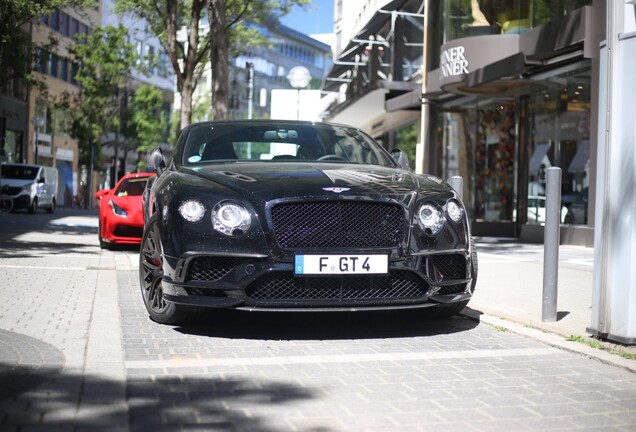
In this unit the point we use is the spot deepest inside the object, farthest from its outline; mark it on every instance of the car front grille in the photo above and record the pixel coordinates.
(127, 231)
(450, 266)
(211, 268)
(280, 286)
(452, 289)
(10, 190)
(338, 224)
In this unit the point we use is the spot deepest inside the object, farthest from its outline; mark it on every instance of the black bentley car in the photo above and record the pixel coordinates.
(290, 215)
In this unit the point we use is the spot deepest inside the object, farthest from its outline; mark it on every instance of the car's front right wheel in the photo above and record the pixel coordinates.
(151, 278)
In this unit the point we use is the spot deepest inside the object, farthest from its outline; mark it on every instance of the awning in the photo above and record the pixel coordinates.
(537, 157)
(581, 158)
(500, 78)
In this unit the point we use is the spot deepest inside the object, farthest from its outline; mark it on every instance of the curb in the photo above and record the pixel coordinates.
(551, 337)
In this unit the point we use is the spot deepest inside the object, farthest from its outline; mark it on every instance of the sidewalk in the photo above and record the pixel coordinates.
(509, 293)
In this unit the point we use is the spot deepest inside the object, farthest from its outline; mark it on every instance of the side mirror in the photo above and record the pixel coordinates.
(156, 162)
(400, 158)
(101, 193)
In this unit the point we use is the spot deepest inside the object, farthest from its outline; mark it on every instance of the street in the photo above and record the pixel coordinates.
(78, 352)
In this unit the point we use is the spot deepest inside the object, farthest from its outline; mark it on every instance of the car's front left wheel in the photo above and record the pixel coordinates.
(151, 277)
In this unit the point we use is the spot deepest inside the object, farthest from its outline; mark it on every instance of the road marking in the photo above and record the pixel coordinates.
(42, 267)
(336, 358)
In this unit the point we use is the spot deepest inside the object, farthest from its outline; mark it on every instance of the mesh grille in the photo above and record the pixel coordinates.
(211, 268)
(451, 266)
(283, 286)
(10, 190)
(452, 289)
(338, 224)
(127, 231)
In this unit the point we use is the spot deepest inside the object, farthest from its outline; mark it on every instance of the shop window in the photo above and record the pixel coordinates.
(12, 149)
(463, 18)
(560, 119)
(478, 142)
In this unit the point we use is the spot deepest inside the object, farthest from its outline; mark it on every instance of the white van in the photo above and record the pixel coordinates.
(29, 186)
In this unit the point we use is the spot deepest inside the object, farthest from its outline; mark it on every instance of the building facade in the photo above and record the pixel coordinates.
(119, 151)
(510, 90)
(19, 105)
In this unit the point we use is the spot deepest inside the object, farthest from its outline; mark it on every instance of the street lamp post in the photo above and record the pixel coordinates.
(38, 122)
(299, 78)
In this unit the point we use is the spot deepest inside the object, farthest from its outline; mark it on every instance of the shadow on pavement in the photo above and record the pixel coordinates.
(52, 236)
(323, 325)
(169, 403)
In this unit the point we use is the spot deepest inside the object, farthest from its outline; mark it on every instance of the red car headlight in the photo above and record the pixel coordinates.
(118, 211)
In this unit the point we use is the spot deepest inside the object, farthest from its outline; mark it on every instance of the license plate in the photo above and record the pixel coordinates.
(341, 264)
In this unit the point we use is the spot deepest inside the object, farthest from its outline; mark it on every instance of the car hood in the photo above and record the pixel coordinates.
(272, 180)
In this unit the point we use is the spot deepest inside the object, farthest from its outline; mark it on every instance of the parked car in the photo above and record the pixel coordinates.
(29, 187)
(536, 211)
(287, 215)
(121, 218)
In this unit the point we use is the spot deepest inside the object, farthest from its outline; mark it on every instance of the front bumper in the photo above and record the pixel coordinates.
(258, 282)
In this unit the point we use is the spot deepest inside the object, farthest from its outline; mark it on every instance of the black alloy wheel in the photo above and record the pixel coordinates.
(151, 276)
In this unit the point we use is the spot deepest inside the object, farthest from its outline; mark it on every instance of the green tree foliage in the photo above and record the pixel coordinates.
(179, 26)
(146, 117)
(16, 47)
(407, 142)
(106, 59)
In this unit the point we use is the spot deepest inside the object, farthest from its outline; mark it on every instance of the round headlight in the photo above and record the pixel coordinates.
(231, 219)
(430, 218)
(192, 210)
(455, 211)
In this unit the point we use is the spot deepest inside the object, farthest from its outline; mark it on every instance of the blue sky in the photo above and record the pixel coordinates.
(317, 19)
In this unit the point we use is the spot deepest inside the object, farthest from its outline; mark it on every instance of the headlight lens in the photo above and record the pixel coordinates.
(431, 218)
(455, 211)
(117, 210)
(192, 210)
(231, 219)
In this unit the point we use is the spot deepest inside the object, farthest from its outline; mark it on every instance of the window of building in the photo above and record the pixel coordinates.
(64, 72)
(64, 19)
(54, 65)
(54, 20)
(477, 141)
(464, 18)
(560, 118)
(74, 27)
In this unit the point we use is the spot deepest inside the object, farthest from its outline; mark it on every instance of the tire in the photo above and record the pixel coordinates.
(34, 206)
(151, 276)
(52, 208)
(102, 243)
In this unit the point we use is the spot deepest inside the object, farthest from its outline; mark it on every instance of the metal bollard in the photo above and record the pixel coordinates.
(457, 183)
(551, 245)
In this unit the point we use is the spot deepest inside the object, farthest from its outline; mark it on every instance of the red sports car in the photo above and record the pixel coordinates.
(121, 219)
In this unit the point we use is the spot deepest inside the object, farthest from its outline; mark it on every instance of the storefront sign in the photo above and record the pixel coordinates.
(453, 62)
(64, 154)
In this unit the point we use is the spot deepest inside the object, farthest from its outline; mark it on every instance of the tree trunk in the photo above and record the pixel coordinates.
(219, 59)
(186, 103)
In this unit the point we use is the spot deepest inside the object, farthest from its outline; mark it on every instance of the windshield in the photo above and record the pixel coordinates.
(19, 172)
(280, 142)
(131, 187)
